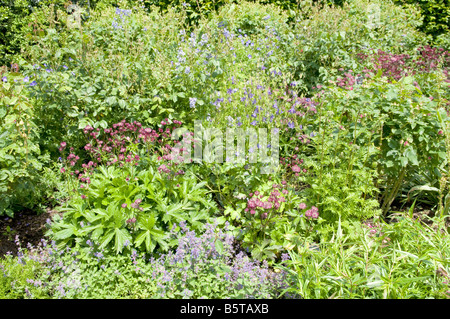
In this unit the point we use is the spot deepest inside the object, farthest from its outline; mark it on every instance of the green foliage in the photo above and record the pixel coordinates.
(20, 157)
(374, 117)
(357, 96)
(327, 39)
(13, 18)
(19, 20)
(130, 208)
(384, 261)
(436, 15)
(14, 276)
(203, 266)
(270, 221)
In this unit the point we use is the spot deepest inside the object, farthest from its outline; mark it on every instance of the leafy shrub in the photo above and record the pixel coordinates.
(20, 157)
(95, 87)
(328, 38)
(20, 20)
(135, 200)
(436, 15)
(12, 20)
(396, 143)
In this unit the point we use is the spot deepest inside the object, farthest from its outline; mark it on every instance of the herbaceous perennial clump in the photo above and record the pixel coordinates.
(201, 266)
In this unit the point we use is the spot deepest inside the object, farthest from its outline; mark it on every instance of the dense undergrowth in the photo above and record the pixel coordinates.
(102, 120)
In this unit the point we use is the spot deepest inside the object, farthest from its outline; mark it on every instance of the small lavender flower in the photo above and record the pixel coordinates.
(192, 102)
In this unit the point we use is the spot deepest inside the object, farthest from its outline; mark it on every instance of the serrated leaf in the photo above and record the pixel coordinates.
(121, 236)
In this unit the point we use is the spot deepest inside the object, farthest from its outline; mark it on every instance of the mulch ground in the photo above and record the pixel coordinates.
(27, 225)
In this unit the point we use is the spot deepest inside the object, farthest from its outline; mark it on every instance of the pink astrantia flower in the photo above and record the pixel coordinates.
(296, 169)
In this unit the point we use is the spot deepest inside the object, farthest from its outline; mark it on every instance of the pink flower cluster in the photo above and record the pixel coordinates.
(293, 163)
(172, 157)
(397, 66)
(430, 58)
(115, 146)
(73, 159)
(265, 206)
(116, 140)
(313, 212)
(374, 229)
(347, 81)
(392, 65)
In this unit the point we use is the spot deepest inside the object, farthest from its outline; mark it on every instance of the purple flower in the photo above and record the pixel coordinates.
(192, 102)
(291, 125)
(26, 79)
(33, 83)
(4, 79)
